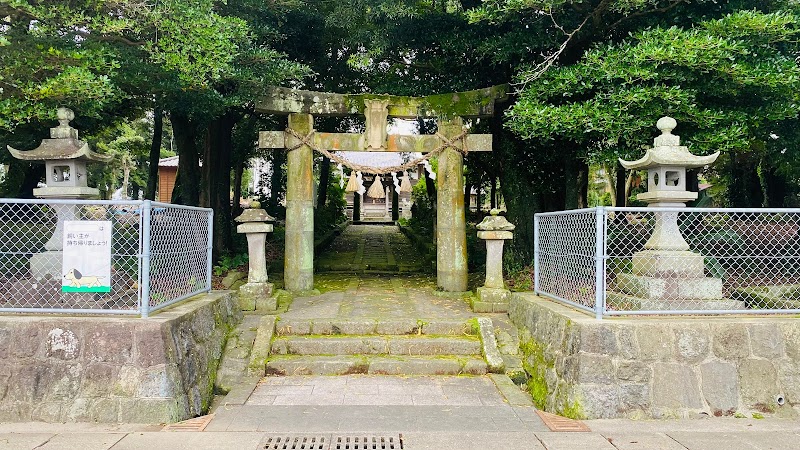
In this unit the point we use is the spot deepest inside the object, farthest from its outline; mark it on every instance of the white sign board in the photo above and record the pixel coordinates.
(86, 264)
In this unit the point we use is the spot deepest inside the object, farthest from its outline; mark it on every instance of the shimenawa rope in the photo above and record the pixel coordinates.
(448, 143)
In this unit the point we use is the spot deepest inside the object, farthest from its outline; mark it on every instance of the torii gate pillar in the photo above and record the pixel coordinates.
(298, 266)
(451, 238)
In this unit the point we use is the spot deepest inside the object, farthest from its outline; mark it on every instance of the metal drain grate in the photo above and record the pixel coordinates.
(558, 423)
(297, 443)
(367, 443)
(196, 424)
(330, 442)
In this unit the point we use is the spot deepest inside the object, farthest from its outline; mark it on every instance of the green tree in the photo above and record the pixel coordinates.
(727, 81)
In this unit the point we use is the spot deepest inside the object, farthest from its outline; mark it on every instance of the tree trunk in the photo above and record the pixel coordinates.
(744, 190)
(611, 185)
(479, 186)
(493, 193)
(238, 173)
(136, 190)
(521, 204)
(522, 201)
(324, 181)
(467, 198)
(187, 182)
(583, 185)
(621, 188)
(276, 185)
(430, 187)
(33, 174)
(217, 179)
(572, 178)
(775, 187)
(356, 207)
(177, 198)
(155, 154)
(126, 177)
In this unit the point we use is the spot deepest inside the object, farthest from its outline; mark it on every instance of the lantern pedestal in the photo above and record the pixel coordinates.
(257, 292)
(493, 295)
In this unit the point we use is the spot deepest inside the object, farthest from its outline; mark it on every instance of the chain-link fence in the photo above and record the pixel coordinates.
(158, 252)
(671, 260)
(566, 256)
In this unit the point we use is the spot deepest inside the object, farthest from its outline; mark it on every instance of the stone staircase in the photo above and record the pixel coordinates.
(363, 346)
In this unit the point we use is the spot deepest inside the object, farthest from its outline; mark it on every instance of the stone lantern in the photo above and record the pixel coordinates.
(65, 158)
(255, 223)
(493, 295)
(666, 271)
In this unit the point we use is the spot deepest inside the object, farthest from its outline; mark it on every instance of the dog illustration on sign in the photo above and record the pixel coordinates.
(77, 279)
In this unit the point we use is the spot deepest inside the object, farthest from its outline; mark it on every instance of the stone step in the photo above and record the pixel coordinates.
(376, 345)
(375, 326)
(376, 365)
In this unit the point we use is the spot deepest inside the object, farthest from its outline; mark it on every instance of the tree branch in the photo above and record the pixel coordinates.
(108, 38)
(551, 59)
(643, 13)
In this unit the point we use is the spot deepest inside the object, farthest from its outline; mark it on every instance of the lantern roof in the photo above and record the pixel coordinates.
(667, 151)
(255, 214)
(495, 222)
(62, 145)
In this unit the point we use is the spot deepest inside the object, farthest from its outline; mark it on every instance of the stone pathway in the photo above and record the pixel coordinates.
(362, 390)
(370, 248)
(402, 296)
(375, 404)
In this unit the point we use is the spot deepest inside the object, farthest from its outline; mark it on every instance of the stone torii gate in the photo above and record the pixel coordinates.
(450, 109)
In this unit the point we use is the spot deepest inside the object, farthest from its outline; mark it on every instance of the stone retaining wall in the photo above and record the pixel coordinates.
(114, 369)
(643, 367)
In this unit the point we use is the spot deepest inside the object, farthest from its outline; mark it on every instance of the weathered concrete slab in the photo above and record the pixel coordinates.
(472, 440)
(643, 441)
(24, 440)
(190, 441)
(83, 441)
(574, 441)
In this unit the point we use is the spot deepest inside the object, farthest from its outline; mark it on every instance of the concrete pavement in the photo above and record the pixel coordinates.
(700, 434)
(419, 412)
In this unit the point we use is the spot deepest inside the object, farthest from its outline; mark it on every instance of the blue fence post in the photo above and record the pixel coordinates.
(144, 301)
(210, 248)
(599, 263)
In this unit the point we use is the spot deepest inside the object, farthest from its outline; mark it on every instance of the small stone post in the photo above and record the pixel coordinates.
(257, 293)
(451, 238)
(493, 295)
(298, 273)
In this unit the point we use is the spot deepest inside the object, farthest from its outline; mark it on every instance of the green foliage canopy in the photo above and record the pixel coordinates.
(726, 81)
(96, 55)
